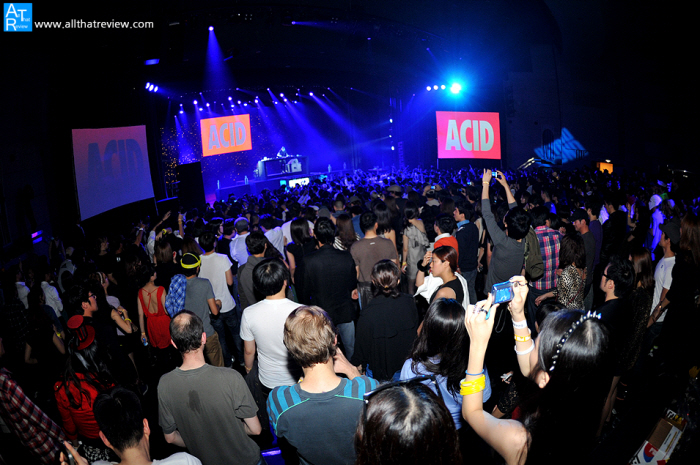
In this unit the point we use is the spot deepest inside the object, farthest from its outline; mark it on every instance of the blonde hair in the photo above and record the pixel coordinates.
(309, 335)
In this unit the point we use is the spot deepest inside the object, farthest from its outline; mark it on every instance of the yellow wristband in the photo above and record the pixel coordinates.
(523, 338)
(472, 387)
(128, 319)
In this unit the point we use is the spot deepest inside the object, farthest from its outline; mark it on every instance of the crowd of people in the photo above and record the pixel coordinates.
(366, 318)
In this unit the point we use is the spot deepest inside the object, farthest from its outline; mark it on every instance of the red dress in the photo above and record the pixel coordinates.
(159, 322)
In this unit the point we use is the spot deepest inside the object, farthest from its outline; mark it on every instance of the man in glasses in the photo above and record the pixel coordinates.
(318, 416)
(81, 301)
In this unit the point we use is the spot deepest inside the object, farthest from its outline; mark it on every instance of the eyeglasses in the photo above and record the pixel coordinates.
(404, 382)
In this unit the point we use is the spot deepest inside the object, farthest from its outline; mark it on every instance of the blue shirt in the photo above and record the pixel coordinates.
(452, 402)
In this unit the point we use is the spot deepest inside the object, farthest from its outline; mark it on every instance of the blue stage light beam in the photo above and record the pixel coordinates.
(216, 73)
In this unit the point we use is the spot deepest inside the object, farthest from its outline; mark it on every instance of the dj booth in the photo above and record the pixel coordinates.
(277, 167)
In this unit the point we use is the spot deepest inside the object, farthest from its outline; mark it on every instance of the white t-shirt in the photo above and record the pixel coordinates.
(264, 323)
(181, 458)
(276, 237)
(239, 251)
(213, 268)
(662, 279)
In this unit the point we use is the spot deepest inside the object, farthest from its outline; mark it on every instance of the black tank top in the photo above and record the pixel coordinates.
(456, 286)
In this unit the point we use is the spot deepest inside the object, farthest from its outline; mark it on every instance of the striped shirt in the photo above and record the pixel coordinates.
(321, 426)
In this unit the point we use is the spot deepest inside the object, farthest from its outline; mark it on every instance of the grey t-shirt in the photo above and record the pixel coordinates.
(198, 291)
(207, 406)
(367, 252)
(508, 254)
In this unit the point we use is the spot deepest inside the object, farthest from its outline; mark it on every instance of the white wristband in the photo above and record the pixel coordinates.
(520, 324)
(526, 351)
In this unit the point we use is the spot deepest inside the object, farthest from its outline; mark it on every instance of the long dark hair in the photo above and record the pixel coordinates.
(407, 425)
(445, 336)
(580, 380)
(299, 230)
(383, 216)
(644, 275)
(346, 231)
(91, 362)
(410, 212)
(572, 251)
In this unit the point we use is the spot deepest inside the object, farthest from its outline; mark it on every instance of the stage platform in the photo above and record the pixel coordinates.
(255, 186)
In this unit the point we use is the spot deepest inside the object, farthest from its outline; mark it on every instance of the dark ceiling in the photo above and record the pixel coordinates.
(378, 46)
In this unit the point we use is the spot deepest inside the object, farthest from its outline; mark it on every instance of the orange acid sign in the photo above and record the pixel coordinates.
(225, 134)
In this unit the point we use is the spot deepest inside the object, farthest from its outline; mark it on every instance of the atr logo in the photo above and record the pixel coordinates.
(17, 17)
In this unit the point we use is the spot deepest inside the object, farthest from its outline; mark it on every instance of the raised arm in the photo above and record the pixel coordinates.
(497, 235)
(517, 312)
(507, 437)
(504, 182)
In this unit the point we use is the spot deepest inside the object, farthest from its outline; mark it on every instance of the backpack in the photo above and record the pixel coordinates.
(534, 266)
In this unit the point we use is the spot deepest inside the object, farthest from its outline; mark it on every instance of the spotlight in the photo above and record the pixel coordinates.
(180, 104)
(428, 88)
(245, 104)
(239, 102)
(281, 95)
(293, 23)
(211, 28)
(435, 87)
(285, 100)
(207, 105)
(195, 102)
(181, 112)
(200, 108)
(391, 120)
(229, 99)
(150, 88)
(268, 88)
(311, 94)
(455, 88)
(148, 84)
(392, 147)
(256, 100)
(156, 89)
(369, 38)
(275, 102)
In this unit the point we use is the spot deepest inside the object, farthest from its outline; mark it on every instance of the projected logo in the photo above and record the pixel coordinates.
(562, 150)
(463, 134)
(225, 134)
(17, 17)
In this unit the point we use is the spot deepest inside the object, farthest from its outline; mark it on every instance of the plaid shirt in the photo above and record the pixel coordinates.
(549, 247)
(175, 300)
(34, 429)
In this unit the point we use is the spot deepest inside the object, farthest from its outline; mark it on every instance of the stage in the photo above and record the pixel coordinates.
(256, 186)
